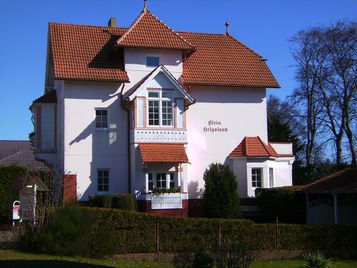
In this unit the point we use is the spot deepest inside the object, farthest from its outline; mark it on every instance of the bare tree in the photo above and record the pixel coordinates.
(308, 56)
(326, 72)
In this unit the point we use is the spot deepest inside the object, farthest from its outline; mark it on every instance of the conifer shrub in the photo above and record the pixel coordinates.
(221, 199)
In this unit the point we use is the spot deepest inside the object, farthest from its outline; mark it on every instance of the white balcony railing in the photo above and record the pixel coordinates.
(166, 201)
(158, 135)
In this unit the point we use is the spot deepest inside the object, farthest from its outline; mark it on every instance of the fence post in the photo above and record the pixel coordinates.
(277, 233)
(219, 236)
(157, 232)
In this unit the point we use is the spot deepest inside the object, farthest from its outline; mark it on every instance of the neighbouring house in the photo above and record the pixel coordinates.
(332, 199)
(20, 153)
(145, 107)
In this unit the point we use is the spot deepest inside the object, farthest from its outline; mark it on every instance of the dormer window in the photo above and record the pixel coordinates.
(160, 109)
(152, 61)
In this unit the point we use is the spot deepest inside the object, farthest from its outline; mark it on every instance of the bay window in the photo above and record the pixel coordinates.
(256, 177)
(160, 109)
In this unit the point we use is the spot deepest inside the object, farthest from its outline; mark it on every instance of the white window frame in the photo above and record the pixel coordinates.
(255, 178)
(154, 180)
(271, 177)
(103, 184)
(95, 118)
(160, 100)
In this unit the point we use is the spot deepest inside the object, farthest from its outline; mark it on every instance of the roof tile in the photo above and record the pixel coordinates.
(163, 153)
(149, 32)
(253, 147)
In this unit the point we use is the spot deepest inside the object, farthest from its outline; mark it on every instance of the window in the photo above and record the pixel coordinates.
(161, 180)
(160, 109)
(271, 177)
(150, 182)
(101, 118)
(172, 180)
(152, 61)
(154, 119)
(103, 180)
(256, 177)
(167, 113)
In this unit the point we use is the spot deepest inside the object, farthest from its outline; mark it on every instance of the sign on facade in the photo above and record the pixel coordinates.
(166, 201)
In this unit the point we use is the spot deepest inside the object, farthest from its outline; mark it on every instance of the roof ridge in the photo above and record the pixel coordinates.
(251, 50)
(85, 25)
(142, 14)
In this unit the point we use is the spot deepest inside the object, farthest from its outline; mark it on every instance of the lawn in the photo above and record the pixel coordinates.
(15, 259)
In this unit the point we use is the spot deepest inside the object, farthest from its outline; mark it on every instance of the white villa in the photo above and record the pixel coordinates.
(130, 110)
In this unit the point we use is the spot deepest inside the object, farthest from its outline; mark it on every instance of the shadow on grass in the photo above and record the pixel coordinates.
(45, 263)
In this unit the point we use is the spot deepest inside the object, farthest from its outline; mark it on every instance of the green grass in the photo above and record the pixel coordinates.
(16, 259)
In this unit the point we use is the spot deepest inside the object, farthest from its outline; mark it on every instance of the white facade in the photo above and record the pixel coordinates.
(95, 130)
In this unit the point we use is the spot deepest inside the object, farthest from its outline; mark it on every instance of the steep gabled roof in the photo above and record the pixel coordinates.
(344, 181)
(148, 31)
(253, 147)
(141, 85)
(220, 59)
(86, 52)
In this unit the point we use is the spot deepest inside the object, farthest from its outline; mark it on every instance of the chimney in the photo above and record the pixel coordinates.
(113, 22)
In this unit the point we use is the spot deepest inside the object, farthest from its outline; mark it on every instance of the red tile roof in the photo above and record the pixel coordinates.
(344, 181)
(253, 147)
(149, 32)
(220, 59)
(163, 153)
(48, 97)
(86, 52)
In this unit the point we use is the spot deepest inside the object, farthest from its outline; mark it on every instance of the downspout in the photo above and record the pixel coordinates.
(128, 125)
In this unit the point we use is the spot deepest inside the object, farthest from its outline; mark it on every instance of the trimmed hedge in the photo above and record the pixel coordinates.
(121, 201)
(139, 232)
(284, 202)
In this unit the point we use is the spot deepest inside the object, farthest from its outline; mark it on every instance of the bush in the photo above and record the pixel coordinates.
(316, 260)
(221, 199)
(125, 202)
(8, 175)
(101, 201)
(284, 203)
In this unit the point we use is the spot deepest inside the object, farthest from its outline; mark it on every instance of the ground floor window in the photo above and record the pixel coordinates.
(271, 177)
(256, 177)
(103, 180)
(160, 181)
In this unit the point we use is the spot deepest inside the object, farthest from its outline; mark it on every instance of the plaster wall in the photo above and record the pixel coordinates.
(237, 112)
(135, 63)
(86, 148)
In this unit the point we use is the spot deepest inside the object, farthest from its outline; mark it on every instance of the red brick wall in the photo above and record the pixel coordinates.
(145, 206)
(69, 188)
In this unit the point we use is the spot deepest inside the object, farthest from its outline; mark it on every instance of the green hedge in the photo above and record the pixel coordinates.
(139, 232)
(121, 201)
(284, 202)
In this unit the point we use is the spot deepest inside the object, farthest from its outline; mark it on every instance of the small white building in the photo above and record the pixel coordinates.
(143, 108)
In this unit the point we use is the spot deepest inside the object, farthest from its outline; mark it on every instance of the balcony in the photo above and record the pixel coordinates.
(158, 135)
(166, 201)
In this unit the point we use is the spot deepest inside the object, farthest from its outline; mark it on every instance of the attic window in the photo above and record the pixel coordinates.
(152, 61)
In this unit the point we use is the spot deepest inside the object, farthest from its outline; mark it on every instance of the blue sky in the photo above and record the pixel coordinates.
(265, 26)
